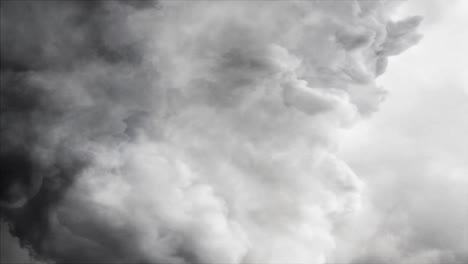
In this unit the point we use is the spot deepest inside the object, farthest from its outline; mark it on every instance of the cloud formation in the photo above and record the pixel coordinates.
(413, 154)
(186, 132)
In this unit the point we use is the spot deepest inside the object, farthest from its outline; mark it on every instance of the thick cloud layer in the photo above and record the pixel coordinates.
(186, 132)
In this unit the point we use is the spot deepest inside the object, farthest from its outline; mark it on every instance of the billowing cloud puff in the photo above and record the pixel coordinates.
(186, 132)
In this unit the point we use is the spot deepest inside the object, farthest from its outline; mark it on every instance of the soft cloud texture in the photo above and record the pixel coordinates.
(187, 132)
(413, 154)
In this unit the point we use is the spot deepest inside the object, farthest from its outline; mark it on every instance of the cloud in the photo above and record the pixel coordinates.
(186, 132)
(412, 156)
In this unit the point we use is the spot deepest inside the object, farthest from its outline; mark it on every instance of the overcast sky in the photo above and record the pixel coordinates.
(170, 190)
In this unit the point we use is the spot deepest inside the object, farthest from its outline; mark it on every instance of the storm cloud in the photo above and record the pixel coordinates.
(187, 131)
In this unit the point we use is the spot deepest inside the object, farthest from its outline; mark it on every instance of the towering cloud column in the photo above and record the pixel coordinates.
(186, 132)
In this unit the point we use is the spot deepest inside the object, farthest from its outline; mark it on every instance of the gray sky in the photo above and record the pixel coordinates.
(236, 132)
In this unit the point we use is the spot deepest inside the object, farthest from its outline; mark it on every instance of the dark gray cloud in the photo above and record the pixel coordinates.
(185, 132)
(43, 40)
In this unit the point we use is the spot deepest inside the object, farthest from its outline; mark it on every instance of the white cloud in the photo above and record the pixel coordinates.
(413, 153)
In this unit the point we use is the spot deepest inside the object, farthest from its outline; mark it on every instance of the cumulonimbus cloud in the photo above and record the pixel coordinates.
(186, 132)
